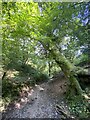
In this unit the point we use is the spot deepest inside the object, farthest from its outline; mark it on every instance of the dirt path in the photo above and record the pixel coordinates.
(40, 103)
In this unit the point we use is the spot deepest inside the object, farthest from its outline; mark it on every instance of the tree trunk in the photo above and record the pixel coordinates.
(4, 74)
(65, 65)
(67, 68)
(49, 68)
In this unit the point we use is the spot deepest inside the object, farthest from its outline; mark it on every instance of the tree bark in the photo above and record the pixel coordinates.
(65, 65)
(67, 68)
(4, 74)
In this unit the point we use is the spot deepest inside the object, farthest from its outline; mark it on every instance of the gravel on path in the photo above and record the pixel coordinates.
(40, 104)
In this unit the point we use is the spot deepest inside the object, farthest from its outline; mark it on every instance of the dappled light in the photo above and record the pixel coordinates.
(45, 60)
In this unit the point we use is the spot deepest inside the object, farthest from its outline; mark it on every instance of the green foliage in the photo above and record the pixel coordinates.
(40, 77)
(78, 107)
(26, 76)
(35, 75)
(24, 30)
(31, 31)
(9, 89)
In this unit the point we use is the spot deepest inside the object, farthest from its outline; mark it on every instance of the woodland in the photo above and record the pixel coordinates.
(42, 42)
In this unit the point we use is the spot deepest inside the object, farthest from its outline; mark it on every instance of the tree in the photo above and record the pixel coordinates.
(43, 28)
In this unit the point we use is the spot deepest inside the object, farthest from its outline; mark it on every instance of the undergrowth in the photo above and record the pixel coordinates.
(27, 76)
(78, 106)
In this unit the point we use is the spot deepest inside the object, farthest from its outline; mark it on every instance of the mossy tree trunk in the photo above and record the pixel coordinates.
(65, 65)
(67, 68)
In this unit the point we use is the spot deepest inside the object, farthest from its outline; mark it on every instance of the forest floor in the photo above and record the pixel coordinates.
(40, 101)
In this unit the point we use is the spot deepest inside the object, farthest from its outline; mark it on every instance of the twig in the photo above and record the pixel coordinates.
(61, 110)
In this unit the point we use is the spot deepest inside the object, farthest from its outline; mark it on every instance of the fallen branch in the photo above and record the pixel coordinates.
(66, 115)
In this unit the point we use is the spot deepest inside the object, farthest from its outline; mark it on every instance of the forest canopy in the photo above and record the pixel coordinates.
(41, 39)
(48, 36)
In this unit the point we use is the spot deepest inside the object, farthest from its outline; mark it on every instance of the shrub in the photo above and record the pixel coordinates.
(9, 89)
(36, 75)
(78, 107)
